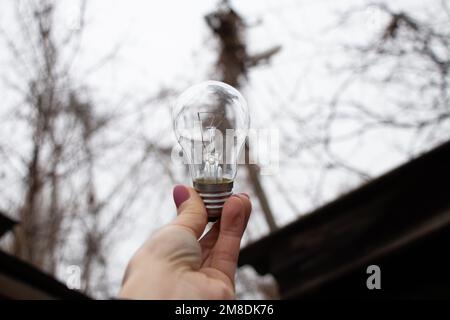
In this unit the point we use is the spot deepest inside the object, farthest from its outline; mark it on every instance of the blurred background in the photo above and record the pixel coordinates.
(354, 87)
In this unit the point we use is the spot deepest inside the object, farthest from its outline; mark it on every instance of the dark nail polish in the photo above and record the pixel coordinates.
(180, 195)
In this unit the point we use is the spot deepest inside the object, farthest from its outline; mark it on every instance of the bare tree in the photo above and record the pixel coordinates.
(64, 219)
(232, 65)
(409, 54)
(392, 82)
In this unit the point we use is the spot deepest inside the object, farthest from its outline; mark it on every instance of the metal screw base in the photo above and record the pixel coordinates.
(214, 196)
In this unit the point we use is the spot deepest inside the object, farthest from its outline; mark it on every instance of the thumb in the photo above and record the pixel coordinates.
(191, 211)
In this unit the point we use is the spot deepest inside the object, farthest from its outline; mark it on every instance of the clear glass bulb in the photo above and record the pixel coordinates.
(211, 122)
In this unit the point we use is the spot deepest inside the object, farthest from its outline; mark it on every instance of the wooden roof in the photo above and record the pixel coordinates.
(381, 220)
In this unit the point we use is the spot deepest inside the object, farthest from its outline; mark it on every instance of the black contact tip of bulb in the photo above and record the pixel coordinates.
(214, 194)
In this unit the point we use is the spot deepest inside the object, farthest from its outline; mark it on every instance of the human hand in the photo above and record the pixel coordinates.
(174, 264)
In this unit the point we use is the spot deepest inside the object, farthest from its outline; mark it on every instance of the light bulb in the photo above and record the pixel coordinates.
(211, 122)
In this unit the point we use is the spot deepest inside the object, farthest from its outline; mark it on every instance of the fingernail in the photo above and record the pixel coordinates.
(180, 195)
(243, 193)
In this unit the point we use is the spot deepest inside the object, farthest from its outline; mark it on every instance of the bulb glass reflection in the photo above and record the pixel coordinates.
(211, 122)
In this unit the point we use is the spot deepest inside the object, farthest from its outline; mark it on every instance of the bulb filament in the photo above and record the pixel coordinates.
(212, 170)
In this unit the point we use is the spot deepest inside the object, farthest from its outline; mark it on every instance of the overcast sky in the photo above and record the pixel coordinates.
(167, 44)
